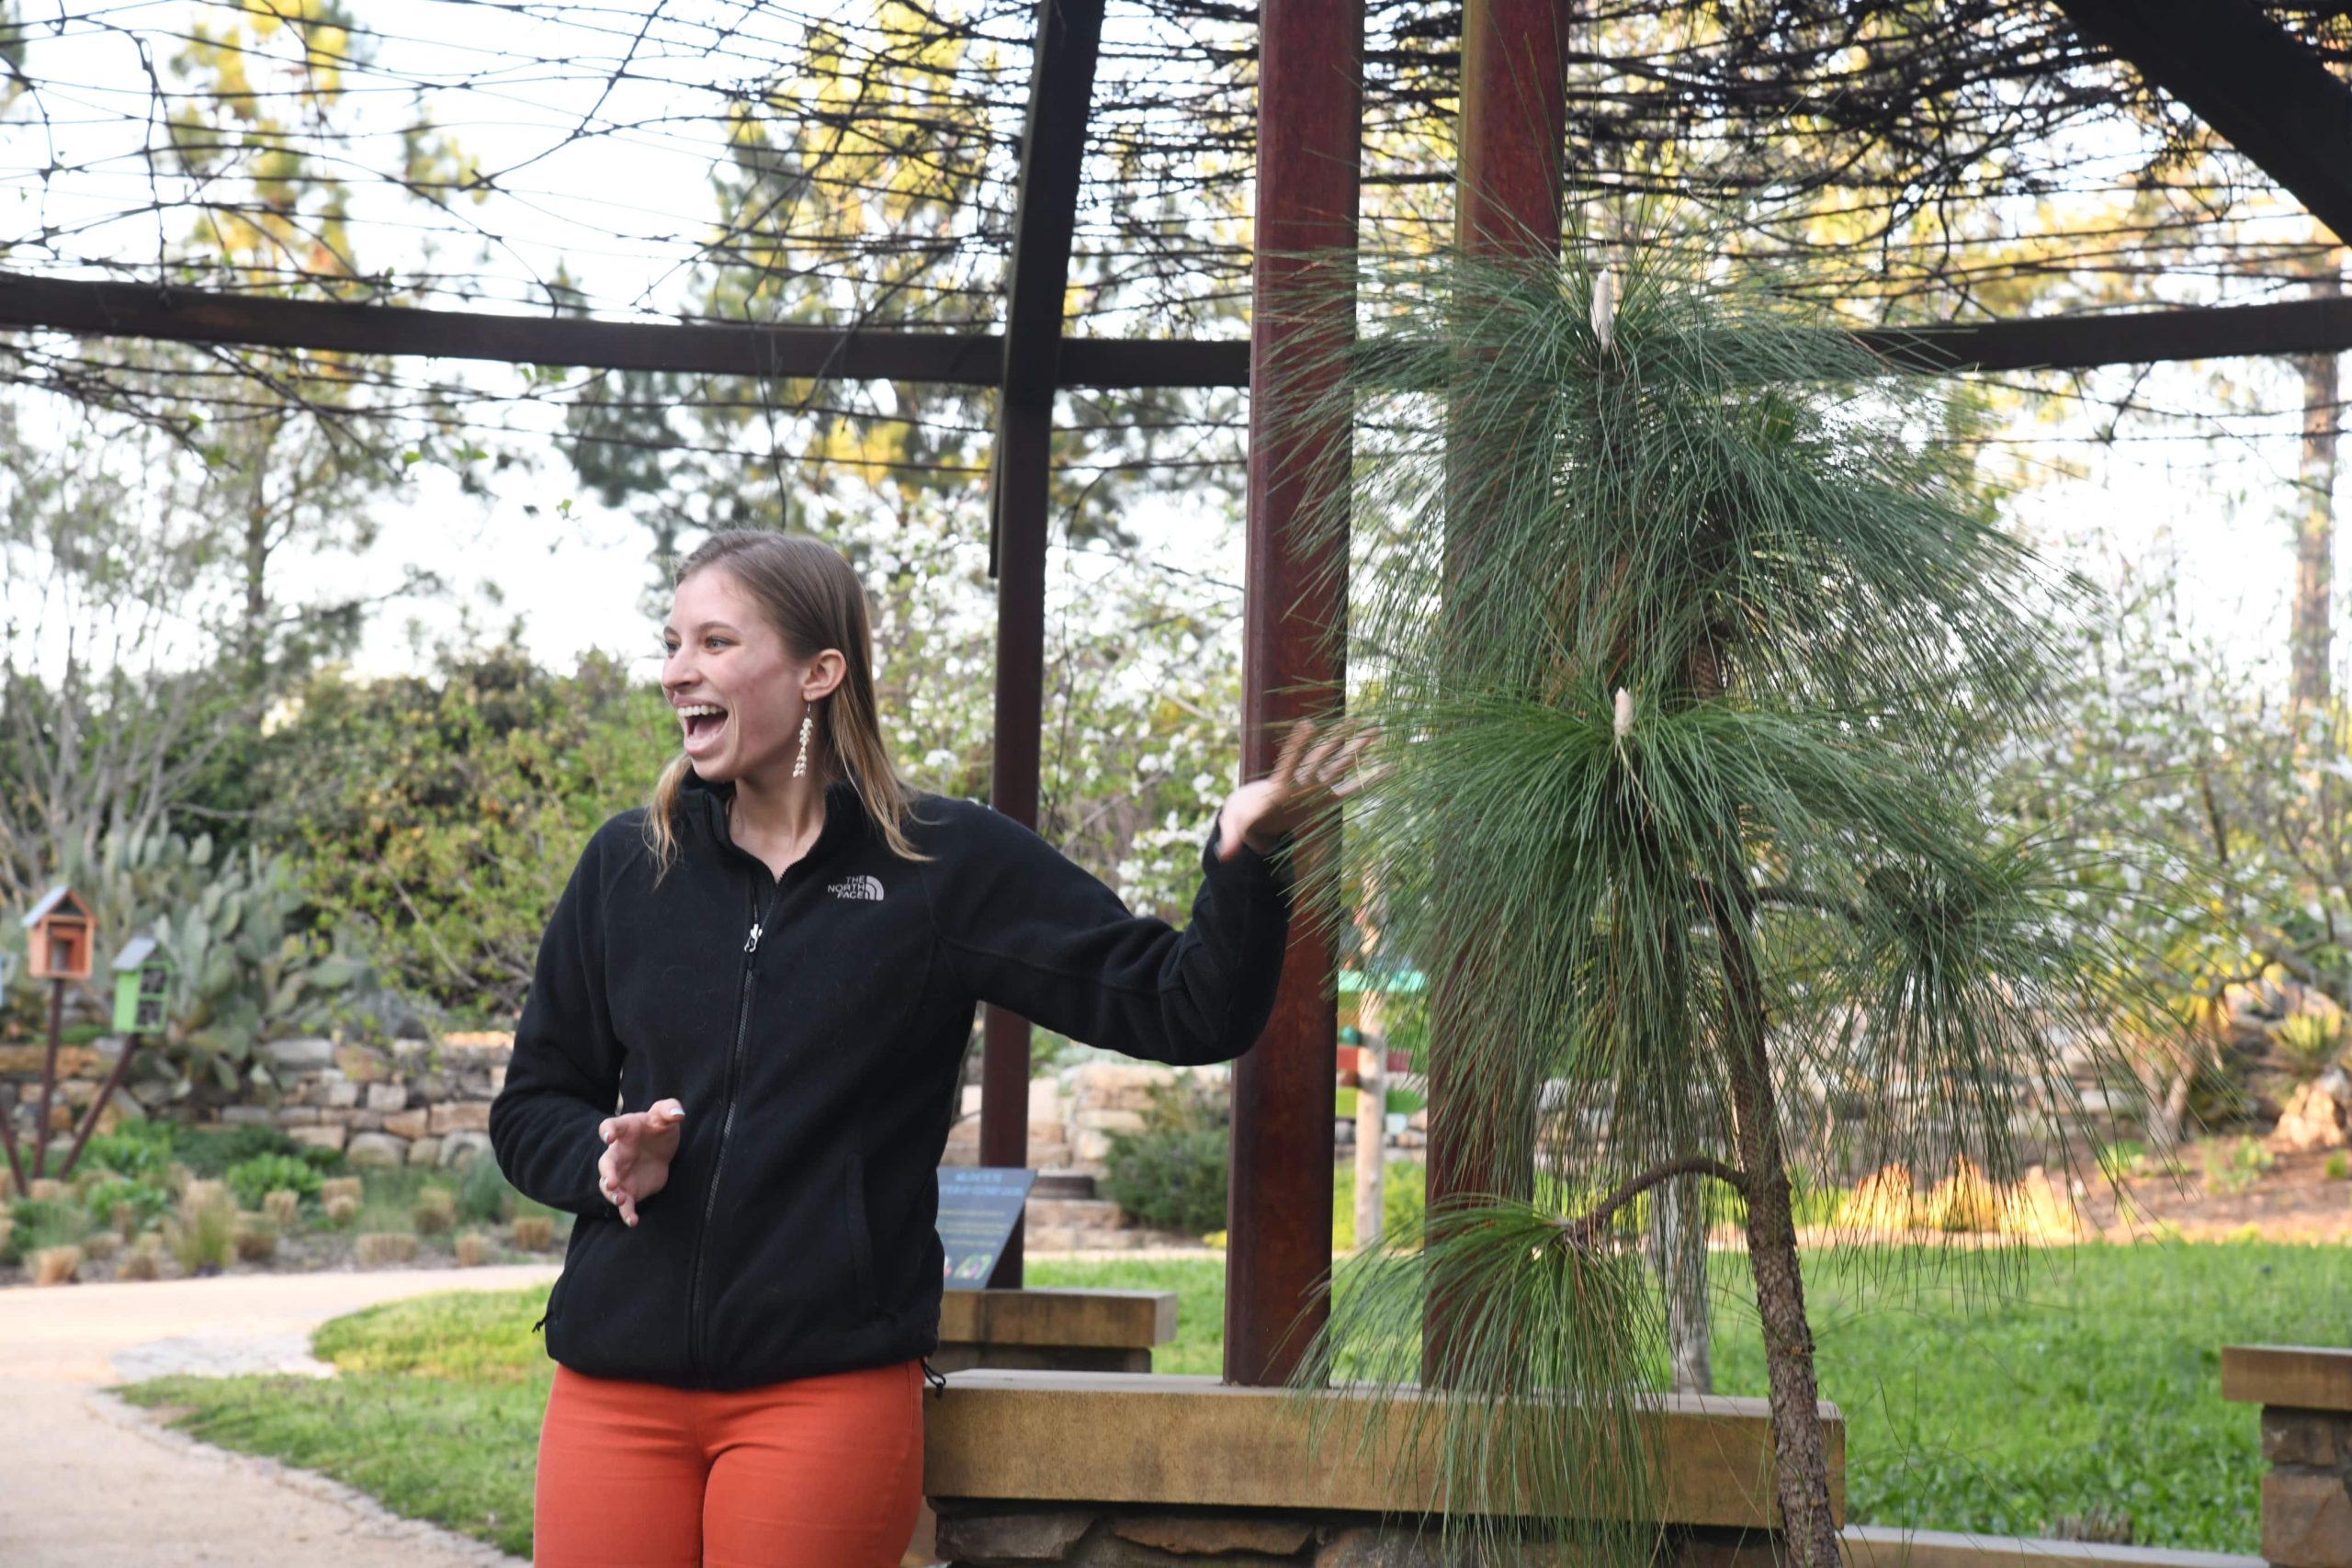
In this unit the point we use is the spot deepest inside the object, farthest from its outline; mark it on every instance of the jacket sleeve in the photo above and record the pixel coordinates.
(564, 1076)
(1033, 932)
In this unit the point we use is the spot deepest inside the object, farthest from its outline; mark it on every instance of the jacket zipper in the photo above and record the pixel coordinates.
(727, 1120)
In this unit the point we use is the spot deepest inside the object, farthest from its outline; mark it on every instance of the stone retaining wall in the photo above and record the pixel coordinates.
(411, 1102)
(1074, 1114)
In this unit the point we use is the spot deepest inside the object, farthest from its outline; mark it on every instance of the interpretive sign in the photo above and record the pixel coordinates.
(977, 1209)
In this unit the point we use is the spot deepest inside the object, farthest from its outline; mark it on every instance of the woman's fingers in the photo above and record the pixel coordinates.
(1285, 772)
(612, 1182)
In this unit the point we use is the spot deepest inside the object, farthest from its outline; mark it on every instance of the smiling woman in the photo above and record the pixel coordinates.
(756, 993)
(767, 655)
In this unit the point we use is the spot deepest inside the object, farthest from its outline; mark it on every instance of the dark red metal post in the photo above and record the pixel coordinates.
(1513, 130)
(1310, 123)
(8, 1141)
(97, 1105)
(1061, 86)
(48, 1076)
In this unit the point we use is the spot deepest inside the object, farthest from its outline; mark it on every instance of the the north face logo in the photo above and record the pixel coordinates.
(867, 887)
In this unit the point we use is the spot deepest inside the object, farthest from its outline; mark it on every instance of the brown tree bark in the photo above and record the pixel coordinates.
(1801, 1456)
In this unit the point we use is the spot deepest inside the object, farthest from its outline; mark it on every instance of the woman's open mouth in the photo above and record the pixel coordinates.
(702, 721)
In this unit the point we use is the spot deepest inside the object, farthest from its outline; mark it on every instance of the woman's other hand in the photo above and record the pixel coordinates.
(1317, 767)
(639, 1147)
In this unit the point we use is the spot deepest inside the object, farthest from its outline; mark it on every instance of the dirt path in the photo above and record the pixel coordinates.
(89, 1483)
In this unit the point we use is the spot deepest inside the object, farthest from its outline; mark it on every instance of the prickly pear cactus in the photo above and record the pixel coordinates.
(249, 969)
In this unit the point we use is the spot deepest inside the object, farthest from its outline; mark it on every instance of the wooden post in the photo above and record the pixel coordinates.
(1513, 132)
(1061, 85)
(1310, 125)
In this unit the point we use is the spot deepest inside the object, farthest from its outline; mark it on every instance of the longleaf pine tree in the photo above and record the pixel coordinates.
(1689, 635)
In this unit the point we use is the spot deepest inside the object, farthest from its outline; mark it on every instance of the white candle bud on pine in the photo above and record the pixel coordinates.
(1624, 723)
(1604, 308)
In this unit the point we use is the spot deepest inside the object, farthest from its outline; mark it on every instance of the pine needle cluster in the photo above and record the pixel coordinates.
(1691, 636)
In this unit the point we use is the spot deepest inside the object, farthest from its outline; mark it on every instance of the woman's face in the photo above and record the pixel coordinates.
(723, 653)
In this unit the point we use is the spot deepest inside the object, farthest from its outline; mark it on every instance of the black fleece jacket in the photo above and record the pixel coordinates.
(812, 1027)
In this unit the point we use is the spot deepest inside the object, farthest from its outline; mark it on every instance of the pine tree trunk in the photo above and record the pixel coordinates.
(1801, 1455)
(1679, 1240)
(2316, 525)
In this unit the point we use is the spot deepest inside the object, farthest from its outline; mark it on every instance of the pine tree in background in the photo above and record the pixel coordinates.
(1690, 637)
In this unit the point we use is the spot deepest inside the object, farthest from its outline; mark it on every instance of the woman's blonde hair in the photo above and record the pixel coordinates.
(813, 599)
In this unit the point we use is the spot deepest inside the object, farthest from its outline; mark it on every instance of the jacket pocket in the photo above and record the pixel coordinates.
(861, 1236)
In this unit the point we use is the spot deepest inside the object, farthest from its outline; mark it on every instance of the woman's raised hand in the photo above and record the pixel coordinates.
(1317, 766)
(639, 1147)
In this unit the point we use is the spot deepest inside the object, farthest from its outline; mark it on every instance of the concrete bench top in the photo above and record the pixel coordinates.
(1162, 1440)
(2300, 1377)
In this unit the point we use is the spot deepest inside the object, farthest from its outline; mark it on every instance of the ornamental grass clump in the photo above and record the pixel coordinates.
(255, 1238)
(55, 1265)
(376, 1248)
(203, 1233)
(534, 1233)
(1689, 638)
(434, 1211)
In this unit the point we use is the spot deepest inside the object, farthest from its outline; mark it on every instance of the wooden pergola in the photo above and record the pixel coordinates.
(2251, 80)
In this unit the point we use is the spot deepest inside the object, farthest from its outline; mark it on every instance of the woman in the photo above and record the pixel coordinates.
(738, 1066)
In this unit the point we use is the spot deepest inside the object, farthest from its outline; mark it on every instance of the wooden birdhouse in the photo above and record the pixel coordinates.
(143, 980)
(62, 937)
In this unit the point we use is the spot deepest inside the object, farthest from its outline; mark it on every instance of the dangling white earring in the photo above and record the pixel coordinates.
(801, 763)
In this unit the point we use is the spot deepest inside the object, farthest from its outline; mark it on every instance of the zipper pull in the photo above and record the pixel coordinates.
(751, 944)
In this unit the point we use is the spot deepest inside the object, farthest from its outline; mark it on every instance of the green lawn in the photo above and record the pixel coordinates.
(2080, 1378)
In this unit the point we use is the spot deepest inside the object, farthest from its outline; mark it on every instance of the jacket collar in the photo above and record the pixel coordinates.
(706, 804)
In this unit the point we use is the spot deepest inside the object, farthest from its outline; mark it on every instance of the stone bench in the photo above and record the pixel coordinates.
(1074, 1331)
(1098, 1471)
(2306, 1398)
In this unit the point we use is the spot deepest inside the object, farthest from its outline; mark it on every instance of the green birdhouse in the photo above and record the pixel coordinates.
(143, 978)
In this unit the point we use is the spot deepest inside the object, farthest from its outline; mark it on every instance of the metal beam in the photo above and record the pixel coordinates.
(977, 359)
(2134, 337)
(1309, 181)
(969, 359)
(1053, 147)
(2253, 82)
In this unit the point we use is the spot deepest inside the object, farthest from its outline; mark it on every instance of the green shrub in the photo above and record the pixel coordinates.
(2338, 1165)
(210, 1151)
(2119, 1160)
(1171, 1174)
(141, 1151)
(483, 1195)
(1404, 1197)
(147, 1200)
(254, 1180)
(2309, 1042)
(2235, 1169)
(40, 1223)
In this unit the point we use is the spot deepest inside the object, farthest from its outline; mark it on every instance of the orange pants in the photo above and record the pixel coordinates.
(818, 1473)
